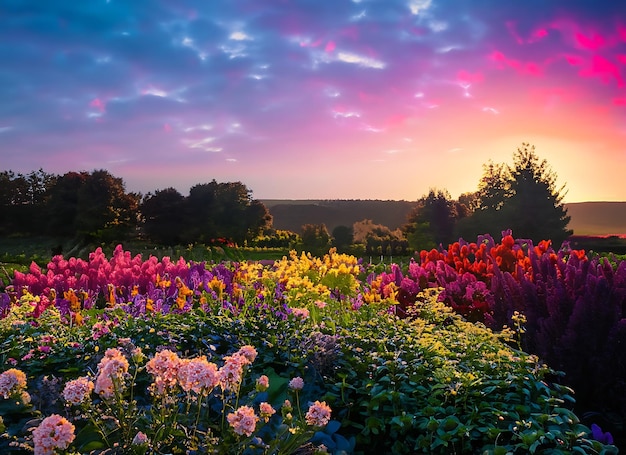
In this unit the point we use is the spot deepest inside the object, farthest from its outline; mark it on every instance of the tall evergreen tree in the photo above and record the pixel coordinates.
(535, 206)
(523, 197)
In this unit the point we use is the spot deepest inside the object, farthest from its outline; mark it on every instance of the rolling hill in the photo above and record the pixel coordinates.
(588, 218)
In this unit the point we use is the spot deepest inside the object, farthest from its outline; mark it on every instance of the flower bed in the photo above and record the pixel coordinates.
(123, 355)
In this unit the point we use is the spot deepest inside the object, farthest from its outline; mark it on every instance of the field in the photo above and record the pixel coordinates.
(449, 354)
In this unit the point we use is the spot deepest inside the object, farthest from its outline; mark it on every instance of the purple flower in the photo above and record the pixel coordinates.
(598, 435)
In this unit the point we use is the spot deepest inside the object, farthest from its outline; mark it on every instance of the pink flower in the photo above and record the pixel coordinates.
(318, 414)
(111, 371)
(262, 383)
(320, 304)
(54, 432)
(243, 420)
(267, 411)
(78, 390)
(301, 313)
(248, 352)
(296, 383)
(164, 367)
(232, 371)
(140, 438)
(12, 381)
(198, 375)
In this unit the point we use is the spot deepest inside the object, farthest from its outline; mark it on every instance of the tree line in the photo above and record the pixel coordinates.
(95, 207)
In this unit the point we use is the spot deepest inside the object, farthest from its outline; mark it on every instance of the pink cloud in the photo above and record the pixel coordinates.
(621, 101)
(541, 33)
(593, 43)
(167, 128)
(330, 46)
(466, 77)
(98, 104)
(604, 69)
(574, 60)
(525, 68)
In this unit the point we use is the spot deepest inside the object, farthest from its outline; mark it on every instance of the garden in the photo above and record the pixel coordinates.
(486, 347)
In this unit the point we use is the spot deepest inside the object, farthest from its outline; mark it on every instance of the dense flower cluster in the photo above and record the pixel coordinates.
(12, 381)
(78, 390)
(54, 432)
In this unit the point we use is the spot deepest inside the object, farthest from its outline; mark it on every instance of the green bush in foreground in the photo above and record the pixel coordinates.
(430, 383)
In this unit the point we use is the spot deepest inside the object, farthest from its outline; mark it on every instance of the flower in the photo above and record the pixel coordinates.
(262, 383)
(248, 352)
(197, 374)
(54, 432)
(164, 367)
(599, 435)
(296, 383)
(12, 381)
(140, 438)
(266, 411)
(111, 371)
(78, 390)
(318, 414)
(231, 372)
(243, 420)
(301, 313)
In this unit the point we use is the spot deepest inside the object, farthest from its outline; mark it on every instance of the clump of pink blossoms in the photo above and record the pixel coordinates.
(54, 432)
(296, 383)
(78, 390)
(266, 410)
(243, 420)
(164, 367)
(111, 371)
(12, 381)
(318, 414)
(198, 375)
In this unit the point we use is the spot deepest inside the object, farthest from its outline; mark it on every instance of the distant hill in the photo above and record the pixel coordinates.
(588, 218)
(292, 214)
(597, 218)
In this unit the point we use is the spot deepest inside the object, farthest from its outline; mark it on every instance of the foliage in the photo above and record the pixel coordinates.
(522, 197)
(573, 307)
(22, 201)
(315, 238)
(431, 222)
(222, 210)
(428, 383)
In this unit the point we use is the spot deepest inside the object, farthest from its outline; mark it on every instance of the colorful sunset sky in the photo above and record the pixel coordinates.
(315, 99)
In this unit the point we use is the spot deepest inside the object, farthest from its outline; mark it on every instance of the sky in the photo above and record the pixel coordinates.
(315, 99)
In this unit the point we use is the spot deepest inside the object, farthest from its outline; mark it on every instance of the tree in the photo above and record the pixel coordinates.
(432, 221)
(92, 206)
(315, 238)
(163, 216)
(22, 201)
(523, 197)
(379, 239)
(535, 208)
(224, 210)
(342, 237)
(62, 207)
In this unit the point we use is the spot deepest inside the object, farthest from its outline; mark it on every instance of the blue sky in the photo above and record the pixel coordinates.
(369, 99)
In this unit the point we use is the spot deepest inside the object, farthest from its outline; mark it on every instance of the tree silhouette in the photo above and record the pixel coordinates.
(522, 197)
(431, 222)
(535, 208)
(163, 215)
(342, 237)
